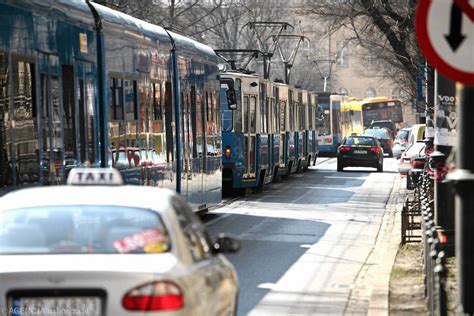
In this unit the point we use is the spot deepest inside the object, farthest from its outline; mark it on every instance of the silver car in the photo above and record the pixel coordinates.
(110, 250)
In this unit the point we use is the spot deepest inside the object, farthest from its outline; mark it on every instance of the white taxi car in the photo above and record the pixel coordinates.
(101, 249)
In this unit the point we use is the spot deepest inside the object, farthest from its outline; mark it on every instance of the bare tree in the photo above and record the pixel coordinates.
(384, 32)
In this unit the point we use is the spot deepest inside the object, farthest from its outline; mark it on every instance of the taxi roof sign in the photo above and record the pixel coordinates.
(94, 176)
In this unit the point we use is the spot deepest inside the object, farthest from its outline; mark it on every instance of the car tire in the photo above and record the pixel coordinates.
(380, 167)
(340, 166)
(390, 153)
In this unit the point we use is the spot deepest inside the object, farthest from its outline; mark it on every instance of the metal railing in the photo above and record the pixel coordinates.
(418, 215)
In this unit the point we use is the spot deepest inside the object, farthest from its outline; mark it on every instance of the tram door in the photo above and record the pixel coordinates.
(283, 129)
(86, 119)
(51, 112)
(250, 130)
(186, 132)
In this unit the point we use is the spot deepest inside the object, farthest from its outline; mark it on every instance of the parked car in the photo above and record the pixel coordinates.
(417, 163)
(388, 124)
(384, 137)
(417, 134)
(110, 249)
(400, 144)
(405, 163)
(360, 151)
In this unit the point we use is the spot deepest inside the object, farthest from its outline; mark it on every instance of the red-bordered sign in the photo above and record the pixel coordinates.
(433, 24)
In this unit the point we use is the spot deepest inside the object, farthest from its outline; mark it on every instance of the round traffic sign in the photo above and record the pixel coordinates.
(446, 37)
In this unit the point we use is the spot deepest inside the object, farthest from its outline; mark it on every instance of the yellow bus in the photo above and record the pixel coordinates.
(356, 115)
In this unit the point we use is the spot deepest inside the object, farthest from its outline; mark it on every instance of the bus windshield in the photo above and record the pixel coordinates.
(323, 122)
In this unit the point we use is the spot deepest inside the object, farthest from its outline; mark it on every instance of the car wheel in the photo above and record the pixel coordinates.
(380, 167)
(340, 166)
(410, 185)
(390, 153)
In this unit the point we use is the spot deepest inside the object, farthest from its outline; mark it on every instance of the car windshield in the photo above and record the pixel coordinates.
(82, 229)
(380, 133)
(365, 141)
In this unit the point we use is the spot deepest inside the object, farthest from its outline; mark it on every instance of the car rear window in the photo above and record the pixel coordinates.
(416, 148)
(82, 229)
(366, 141)
(381, 133)
(388, 125)
(403, 134)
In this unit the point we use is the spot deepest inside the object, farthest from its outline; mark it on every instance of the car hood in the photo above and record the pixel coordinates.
(142, 263)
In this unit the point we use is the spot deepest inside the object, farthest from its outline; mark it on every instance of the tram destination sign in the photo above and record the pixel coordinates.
(445, 33)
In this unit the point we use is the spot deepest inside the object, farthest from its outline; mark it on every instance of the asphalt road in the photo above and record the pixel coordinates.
(304, 239)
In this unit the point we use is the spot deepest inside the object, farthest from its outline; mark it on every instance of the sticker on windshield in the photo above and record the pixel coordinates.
(139, 240)
(155, 247)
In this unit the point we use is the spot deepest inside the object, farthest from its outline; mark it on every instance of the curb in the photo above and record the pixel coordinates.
(370, 292)
(391, 238)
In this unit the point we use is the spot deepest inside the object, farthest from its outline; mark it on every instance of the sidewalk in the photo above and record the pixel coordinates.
(373, 281)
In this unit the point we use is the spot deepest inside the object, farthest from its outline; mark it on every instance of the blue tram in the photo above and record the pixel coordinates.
(248, 127)
(84, 85)
(329, 123)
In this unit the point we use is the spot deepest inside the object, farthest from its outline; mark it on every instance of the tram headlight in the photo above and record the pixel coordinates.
(228, 152)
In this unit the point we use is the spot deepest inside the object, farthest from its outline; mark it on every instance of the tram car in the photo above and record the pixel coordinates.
(247, 132)
(84, 85)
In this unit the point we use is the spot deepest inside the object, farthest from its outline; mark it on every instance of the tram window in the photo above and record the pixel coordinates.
(208, 112)
(275, 118)
(86, 121)
(269, 115)
(253, 114)
(116, 99)
(157, 104)
(310, 117)
(194, 121)
(246, 114)
(283, 126)
(69, 115)
(238, 110)
(24, 141)
(169, 123)
(131, 102)
(227, 114)
(263, 123)
(5, 170)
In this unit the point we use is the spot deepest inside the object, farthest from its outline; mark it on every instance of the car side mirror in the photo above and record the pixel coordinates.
(226, 243)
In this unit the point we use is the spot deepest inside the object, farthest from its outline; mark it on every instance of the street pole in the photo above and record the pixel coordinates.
(463, 180)
(445, 130)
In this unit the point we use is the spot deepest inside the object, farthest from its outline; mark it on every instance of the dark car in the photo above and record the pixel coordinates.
(360, 151)
(384, 137)
(388, 124)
